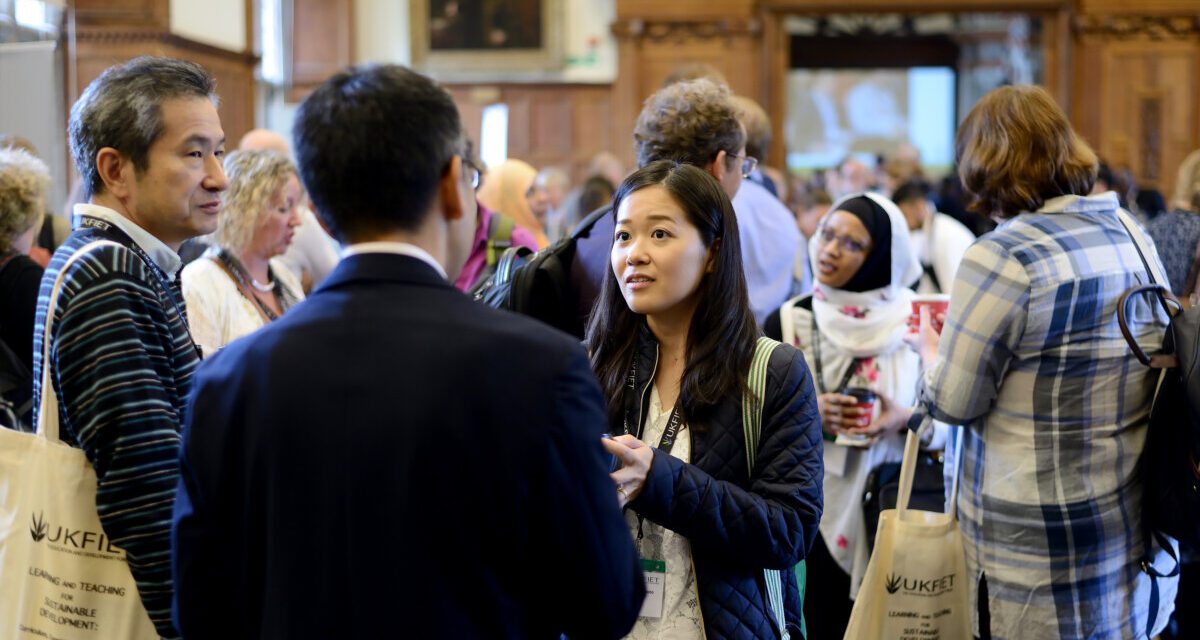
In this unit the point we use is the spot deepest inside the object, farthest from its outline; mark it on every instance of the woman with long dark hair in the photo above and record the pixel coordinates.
(671, 340)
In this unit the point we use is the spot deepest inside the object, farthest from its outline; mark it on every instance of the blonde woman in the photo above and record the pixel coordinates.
(24, 181)
(239, 285)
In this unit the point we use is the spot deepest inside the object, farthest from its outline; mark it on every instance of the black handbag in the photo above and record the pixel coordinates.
(1168, 468)
(928, 492)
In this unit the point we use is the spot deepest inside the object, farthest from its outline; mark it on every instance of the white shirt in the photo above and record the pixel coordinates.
(218, 312)
(312, 250)
(769, 239)
(165, 257)
(682, 618)
(399, 248)
(941, 243)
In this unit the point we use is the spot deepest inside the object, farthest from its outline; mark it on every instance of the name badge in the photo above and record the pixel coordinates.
(655, 572)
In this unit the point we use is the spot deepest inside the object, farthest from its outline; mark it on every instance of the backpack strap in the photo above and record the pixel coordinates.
(500, 230)
(752, 408)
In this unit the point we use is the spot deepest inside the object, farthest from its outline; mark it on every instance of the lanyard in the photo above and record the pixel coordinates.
(106, 228)
(236, 271)
(667, 442)
(816, 340)
(671, 431)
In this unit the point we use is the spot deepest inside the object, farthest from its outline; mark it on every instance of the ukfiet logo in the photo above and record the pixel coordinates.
(39, 527)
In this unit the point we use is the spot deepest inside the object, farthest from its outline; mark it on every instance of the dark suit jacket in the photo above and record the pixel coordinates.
(390, 459)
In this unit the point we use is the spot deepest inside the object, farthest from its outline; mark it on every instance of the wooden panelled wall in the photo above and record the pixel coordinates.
(1128, 73)
(111, 31)
(1137, 91)
(548, 124)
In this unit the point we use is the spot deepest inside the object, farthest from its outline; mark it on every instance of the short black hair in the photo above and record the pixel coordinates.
(911, 190)
(122, 109)
(372, 142)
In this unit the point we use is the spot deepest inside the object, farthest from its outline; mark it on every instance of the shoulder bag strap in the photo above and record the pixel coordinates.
(787, 327)
(1150, 536)
(1145, 263)
(47, 424)
(753, 401)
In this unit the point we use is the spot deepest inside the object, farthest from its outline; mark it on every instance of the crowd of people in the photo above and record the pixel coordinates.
(301, 427)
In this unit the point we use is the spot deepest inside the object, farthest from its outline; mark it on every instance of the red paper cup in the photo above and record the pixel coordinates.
(936, 303)
(866, 402)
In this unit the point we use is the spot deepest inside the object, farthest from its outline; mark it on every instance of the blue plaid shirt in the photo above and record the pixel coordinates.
(1032, 360)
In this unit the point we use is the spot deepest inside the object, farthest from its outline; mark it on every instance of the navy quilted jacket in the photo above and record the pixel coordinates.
(738, 525)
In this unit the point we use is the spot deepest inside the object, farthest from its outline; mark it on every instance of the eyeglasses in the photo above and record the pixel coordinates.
(474, 174)
(749, 164)
(845, 242)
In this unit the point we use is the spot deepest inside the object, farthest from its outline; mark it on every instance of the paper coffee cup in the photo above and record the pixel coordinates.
(866, 401)
(935, 302)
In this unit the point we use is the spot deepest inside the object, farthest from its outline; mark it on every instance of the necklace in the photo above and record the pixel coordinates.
(269, 287)
(235, 268)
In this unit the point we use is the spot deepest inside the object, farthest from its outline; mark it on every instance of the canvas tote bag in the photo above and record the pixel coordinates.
(915, 587)
(60, 576)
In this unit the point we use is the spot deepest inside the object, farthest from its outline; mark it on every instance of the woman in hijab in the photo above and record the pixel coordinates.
(851, 330)
(504, 190)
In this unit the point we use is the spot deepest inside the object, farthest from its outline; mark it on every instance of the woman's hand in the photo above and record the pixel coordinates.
(925, 341)
(892, 418)
(636, 458)
(839, 412)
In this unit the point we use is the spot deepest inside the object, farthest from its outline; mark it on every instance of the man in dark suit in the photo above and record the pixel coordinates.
(391, 459)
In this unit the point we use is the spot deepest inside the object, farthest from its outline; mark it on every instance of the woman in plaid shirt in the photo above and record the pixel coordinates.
(1031, 360)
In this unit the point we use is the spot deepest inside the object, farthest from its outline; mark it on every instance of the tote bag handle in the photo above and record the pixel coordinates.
(47, 423)
(908, 470)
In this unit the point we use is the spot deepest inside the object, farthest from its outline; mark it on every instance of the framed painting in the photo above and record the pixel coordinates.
(486, 39)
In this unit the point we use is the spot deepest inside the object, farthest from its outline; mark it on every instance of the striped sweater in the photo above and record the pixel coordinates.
(122, 363)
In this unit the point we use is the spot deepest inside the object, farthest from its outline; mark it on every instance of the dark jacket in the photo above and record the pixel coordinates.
(390, 459)
(737, 526)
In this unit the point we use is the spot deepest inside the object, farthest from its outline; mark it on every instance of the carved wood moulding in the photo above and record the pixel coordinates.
(118, 37)
(682, 30)
(1153, 27)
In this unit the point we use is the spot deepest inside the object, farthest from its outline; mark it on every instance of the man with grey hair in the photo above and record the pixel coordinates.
(148, 145)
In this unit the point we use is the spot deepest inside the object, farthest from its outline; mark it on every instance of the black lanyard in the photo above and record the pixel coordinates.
(671, 431)
(235, 269)
(667, 442)
(816, 340)
(103, 227)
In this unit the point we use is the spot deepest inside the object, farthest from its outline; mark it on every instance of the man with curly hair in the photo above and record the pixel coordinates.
(696, 122)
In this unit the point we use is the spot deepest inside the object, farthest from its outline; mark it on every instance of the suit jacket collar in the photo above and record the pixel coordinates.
(382, 267)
